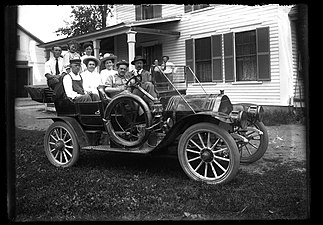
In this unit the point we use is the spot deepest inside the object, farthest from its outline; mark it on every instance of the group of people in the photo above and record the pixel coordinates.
(83, 82)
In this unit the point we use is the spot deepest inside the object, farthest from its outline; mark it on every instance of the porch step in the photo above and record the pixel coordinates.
(142, 150)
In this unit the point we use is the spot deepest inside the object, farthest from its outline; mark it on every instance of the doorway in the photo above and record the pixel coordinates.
(22, 79)
(150, 53)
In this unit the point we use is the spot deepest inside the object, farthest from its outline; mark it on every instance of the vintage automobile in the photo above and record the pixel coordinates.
(209, 135)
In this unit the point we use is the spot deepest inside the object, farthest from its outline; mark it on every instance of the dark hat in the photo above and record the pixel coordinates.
(87, 44)
(122, 62)
(108, 56)
(91, 58)
(77, 61)
(166, 56)
(138, 58)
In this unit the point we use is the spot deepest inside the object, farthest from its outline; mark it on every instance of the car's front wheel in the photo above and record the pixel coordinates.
(61, 145)
(208, 153)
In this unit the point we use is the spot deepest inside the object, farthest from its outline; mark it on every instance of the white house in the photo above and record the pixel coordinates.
(30, 61)
(251, 52)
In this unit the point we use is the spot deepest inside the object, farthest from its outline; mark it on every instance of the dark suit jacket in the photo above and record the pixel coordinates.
(146, 76)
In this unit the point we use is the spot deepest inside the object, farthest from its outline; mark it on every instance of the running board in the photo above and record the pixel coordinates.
(107, 148)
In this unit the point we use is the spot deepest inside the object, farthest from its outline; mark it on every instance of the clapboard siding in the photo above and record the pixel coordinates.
(221, 19)
(172, 10)
(125, 13)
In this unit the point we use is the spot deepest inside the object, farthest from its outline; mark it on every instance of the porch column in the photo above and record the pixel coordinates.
(131, 39)
(96, 48)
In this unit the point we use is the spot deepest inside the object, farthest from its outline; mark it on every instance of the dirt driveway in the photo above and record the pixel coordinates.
(287, 143)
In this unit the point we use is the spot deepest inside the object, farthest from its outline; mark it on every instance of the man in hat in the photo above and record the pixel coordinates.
(146, 80)
(116, 83)
(54, 67)
(91, 78)
(73, 83)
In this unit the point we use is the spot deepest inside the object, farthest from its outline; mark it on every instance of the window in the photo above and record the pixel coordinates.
(245, 56)
(203, 59)
(148, 11)
(190, 8)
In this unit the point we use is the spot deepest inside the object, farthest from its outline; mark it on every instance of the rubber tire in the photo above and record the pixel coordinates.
(110, 129)
(262, 146)
(224, 135)
(76, 148)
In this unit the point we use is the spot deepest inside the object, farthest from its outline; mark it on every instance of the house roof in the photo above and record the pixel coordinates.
(30, 34)
(121, 28)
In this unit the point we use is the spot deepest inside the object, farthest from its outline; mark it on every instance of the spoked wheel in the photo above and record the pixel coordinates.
(257, 145)
(127, 119)
(208, 153)
(61, 146)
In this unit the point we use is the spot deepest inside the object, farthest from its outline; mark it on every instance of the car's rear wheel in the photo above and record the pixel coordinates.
(208, 153)
(257, 145)
(61, 145)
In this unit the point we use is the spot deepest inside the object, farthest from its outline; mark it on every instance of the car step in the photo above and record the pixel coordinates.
(142, 150)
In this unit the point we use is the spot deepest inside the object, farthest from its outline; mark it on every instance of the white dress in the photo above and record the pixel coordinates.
(91, 80)
(105, 74)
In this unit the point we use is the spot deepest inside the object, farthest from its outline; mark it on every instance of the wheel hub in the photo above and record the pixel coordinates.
(206, 155)
(60, 145)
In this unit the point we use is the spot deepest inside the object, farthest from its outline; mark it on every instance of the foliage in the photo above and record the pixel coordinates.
(86, 18)
(107, 186)
(277, 117)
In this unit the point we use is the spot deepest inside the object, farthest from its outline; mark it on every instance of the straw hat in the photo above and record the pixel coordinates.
(107, 56)
(91, 58)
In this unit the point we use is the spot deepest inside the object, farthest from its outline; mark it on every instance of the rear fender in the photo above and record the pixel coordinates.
(81, 136)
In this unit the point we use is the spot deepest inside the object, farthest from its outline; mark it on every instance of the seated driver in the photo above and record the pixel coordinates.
(116, 83)
(146, 79)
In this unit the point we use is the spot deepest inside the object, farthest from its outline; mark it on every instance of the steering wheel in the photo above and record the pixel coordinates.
(133, 81)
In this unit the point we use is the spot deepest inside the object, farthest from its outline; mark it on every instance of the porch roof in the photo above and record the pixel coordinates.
(120, 28)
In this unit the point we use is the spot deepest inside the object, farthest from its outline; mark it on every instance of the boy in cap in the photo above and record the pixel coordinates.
(73, 83)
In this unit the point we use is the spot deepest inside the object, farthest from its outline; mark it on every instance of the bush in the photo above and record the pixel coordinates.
(278, 117)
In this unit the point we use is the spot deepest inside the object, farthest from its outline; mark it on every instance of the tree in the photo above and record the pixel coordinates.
(85, 19)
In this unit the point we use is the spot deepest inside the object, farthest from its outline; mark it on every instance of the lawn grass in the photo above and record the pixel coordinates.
(111, 186)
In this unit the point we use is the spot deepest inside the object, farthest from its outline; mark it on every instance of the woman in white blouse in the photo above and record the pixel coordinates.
(108, 62)
(91, 78)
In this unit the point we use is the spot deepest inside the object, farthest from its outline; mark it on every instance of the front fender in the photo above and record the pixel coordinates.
(219, 119)
(81, 136)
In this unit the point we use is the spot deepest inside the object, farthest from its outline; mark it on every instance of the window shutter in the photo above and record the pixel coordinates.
(157, 11)
(228, 57)
(189, 60)
(217, 57)
(138, 10)
(263, 53)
